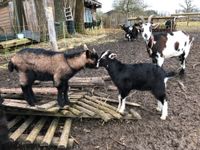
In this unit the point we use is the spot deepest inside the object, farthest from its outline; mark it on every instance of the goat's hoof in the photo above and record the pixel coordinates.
(182, 73)
(121, 112)
(158, 109)
(30, 106)
(163, 117)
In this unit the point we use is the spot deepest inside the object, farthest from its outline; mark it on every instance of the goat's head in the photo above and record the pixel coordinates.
(91, 57)
(146, 28)
(105, 58)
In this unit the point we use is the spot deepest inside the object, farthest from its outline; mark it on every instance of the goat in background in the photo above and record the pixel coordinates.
(166, 45)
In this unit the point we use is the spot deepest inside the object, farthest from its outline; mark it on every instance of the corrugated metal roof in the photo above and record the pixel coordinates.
(94, 2)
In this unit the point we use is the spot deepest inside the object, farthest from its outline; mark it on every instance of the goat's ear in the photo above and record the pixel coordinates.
(85, 47)
(88, 53)
(112, 56)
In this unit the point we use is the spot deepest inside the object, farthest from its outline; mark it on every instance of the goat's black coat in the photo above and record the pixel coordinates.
(144, 77)
(130, 34)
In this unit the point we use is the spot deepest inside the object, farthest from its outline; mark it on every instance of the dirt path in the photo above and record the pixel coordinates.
(181, 130)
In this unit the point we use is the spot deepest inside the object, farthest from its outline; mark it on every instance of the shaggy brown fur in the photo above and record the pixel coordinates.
(39, 64)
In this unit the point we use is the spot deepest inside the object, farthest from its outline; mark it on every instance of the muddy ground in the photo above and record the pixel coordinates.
(181, 130)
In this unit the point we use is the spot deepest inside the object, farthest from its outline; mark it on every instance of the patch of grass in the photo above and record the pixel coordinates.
(192, 26)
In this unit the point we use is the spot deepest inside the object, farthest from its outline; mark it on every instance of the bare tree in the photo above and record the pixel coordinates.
(188, 6)
(127, 7)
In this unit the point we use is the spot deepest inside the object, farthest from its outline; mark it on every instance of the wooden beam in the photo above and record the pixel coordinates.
(14, 136)
(39, 139)
(63, 142)
(84, 110)
(104, 108)
(34, 133)
(13, 122)
(50, 133)
(15, 42)
(101, 113)
(187, 14)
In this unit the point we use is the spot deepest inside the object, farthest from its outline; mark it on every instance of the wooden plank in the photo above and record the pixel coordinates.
(75, 111)
(20, 104)
(95, 99)
(101, 113)
(54, 109)
(13, 122)
(15, 42)
(13, 137)
(31, 15)
(84, 110)
(65, 134)
(50, 133)
(41, 90)
(34, 133)
(39, 139)
(104, 108)
(47, 105)
(116, 101)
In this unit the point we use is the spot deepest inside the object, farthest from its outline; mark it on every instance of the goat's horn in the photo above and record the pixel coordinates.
(85, 47)
(149, 19)
(142, 18)
(94, 50)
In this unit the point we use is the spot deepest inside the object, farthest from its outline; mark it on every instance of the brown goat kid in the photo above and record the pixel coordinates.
(59, 67)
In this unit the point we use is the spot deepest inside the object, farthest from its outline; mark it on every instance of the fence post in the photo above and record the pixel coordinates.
(51, 26)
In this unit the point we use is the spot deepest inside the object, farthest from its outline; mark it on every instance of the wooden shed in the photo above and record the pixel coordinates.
(6, 21)
(28, 16)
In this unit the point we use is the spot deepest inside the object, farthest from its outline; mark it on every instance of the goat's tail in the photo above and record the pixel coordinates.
(11, 66)
(170, 74)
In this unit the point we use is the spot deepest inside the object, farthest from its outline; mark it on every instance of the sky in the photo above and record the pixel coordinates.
(161, 6)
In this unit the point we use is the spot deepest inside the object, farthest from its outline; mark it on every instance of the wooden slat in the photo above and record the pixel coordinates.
(74, 111)
(104, 108)
(21, 129)
(94, 99)
(34, 133)
(39, 139)
(65, 134)
(15, 42)
(50, 133)
(84, 110)
(47, 105)
(101, 113)
(13, 122)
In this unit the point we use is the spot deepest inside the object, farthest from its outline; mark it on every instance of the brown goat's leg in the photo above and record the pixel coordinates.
(65, 93)
(60, 99)
(32, 95)
(1, 100)
(27, 95)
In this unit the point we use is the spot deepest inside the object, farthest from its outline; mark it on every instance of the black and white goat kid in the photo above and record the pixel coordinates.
(166, 45)
(40, 64)
(131, 32)
(143, 77)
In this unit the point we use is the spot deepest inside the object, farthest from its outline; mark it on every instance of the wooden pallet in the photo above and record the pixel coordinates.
(82, 105)
(41, 131)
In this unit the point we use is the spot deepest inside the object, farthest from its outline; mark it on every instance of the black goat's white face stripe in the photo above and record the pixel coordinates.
(102, 56)
(130, 28)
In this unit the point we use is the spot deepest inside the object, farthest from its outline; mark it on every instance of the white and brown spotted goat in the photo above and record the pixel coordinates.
(166, 45)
